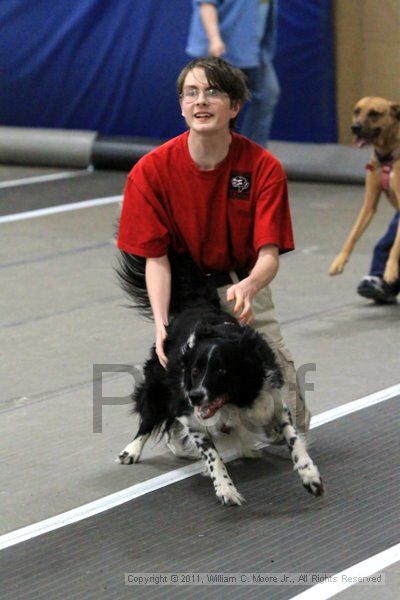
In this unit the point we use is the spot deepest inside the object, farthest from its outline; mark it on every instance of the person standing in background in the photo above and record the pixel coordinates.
(243, 32)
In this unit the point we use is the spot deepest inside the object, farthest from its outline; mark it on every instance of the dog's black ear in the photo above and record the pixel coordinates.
(253, 344)
(187, 347)
(395, 110)
(201, 330)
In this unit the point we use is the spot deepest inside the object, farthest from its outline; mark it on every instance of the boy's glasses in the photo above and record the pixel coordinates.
(211, 94)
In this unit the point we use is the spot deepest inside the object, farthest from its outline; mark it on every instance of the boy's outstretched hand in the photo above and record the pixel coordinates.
(243, 294)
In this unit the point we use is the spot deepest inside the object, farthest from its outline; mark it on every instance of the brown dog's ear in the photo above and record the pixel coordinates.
(395, 110)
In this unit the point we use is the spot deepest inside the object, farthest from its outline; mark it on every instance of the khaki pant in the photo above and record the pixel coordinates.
(266, 323)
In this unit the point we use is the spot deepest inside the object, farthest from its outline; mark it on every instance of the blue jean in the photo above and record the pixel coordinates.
(382, 249)
(265, 91)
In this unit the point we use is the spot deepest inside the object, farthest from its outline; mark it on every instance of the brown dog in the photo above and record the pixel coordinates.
(376, 121)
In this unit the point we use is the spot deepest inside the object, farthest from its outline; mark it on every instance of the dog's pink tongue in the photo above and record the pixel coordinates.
(359, 142)
(205, 412)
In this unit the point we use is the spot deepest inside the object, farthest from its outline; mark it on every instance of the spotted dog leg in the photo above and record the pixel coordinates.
(132, 452)
(303, 464)
(226, 492)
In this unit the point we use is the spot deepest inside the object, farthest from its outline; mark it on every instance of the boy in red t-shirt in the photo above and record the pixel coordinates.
(219, 197)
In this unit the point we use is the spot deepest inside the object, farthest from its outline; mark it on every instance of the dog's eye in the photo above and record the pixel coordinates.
(374, 114)
(221, 372)
(357, 111)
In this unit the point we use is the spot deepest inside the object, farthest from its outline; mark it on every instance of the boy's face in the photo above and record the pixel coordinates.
(205, 109)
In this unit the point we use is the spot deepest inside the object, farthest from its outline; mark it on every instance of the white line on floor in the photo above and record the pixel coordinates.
(43, 178)
(52, 210)
(151, 485)
(350, 407)
(343, 580)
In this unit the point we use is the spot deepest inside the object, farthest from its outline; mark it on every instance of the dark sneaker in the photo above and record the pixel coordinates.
(375, 288)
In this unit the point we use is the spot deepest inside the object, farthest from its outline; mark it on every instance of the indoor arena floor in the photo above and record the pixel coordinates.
(63, 319)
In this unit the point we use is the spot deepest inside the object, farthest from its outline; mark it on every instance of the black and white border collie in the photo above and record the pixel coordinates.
(221, 376)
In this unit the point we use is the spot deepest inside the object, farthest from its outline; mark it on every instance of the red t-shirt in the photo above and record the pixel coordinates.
(220, 217)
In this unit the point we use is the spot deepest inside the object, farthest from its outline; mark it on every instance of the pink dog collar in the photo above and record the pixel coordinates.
(385, 175)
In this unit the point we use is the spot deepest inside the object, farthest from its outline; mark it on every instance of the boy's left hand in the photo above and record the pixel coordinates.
(243, 294)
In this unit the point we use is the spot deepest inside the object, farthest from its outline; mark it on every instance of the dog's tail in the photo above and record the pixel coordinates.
(189, 287)
(131, 276)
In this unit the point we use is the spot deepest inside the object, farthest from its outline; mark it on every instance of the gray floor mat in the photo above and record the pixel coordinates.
(181, 528)
(66, 191)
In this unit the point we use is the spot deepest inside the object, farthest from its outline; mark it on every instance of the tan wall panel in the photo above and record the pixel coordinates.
(382, 20)
(348, 56)
(382, 76)
(367, 52)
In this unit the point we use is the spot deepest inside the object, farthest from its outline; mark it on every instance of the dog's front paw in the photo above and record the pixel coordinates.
(311, 478)
(125, 459)
(129, 455)
(228, 495)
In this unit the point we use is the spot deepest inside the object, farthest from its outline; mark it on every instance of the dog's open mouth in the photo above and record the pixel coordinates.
(360, 142)
(208, 410)
(363, 140)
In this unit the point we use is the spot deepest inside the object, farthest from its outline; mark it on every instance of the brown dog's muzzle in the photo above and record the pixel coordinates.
(356, 128)
(364, 134)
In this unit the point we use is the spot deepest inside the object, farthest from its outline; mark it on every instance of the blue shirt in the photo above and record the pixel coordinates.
(247, 27)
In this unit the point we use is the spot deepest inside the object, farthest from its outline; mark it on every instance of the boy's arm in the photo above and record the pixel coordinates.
(158, 282)
(262, 274)
(209, 18)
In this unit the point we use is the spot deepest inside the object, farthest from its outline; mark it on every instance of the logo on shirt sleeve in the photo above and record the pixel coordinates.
(239, 185)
